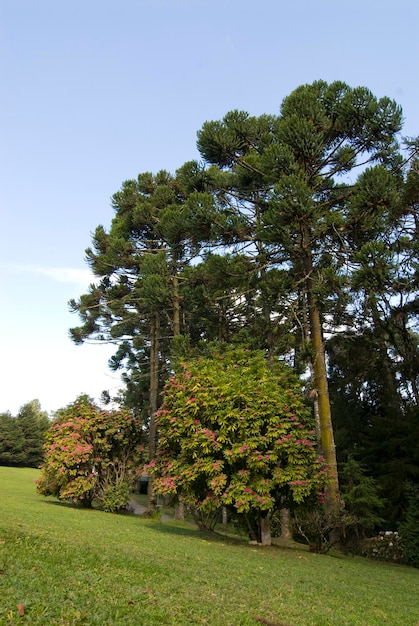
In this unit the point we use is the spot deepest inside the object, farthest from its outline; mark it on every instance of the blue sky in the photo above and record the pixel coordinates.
(95, 91)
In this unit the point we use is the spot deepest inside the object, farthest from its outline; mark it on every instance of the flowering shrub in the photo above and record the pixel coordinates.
(234, 431)
(91, 455)
(387, 546)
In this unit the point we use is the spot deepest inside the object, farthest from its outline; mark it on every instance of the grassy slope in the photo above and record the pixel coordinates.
(68, 566)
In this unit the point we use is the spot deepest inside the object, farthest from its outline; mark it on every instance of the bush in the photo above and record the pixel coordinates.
(320, 529)
(235, 431)
(387, 546)
(91, 456)
(114, 498)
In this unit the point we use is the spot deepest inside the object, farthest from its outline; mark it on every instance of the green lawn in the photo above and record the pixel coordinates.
(70, 566)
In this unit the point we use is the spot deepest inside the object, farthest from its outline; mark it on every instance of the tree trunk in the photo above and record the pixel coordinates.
(391, 398)
(176, 305)
(320, 380)
(325, 417)
(154, 388)
(180, 511)
(265, 530)
(314, 394)
(224, 515)
(285, 523)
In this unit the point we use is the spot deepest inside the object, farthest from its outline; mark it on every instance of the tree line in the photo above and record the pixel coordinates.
(22, 437)
(297, 235)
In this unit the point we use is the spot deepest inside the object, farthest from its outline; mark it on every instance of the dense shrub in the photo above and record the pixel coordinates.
(92, 456)
(235, 432)
(387, 546)
(115, 497)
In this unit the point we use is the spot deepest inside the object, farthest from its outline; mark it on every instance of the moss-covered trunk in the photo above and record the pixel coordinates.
(154, 389)
(320, 378)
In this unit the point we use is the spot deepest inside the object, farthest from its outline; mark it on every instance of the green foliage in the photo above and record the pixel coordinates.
(305, 224)
(235, 431)
(91, 456)
(114, 497)
(358, 517)
(409, 529)
(11, 441)
(34, 424)
(375, 415)
(22, 437)
(360, 494)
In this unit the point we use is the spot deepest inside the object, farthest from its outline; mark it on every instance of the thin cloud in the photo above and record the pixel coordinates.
(70, 275)
(229, 43)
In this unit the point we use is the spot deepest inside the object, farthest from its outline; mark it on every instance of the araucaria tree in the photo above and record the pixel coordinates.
(235, 431)
(135, 302)
(91, 456)
(287, 179)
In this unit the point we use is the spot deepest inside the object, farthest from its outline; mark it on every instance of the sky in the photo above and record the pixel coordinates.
(93, 92)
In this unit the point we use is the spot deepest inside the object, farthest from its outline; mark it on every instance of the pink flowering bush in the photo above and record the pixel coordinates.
(236, 432)
(91, 455)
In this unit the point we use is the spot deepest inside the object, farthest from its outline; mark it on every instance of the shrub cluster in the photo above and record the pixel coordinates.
(387, 546)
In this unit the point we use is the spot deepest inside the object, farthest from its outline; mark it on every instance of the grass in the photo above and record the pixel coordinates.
(73, 567)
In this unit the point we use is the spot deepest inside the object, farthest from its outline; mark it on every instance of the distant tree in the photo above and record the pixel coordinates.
(92, 456)
(235, 431)
(11, 441)
(22, 437)
(34, 423)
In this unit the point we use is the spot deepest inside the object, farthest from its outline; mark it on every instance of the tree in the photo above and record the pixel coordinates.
(11, 441)
(373, 367)
(362, 500)
(34, 423)
(302, 225)
(136, 302)
(92, 456)
(235, 431)
(282, 176)
(374, 422)
(22, 437)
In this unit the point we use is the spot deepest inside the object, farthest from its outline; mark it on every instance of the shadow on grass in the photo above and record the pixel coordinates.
(72, 505)
(201, 535)
(68, 505)
(181, 528)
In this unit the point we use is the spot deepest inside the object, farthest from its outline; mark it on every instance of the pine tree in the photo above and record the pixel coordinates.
(11, 441)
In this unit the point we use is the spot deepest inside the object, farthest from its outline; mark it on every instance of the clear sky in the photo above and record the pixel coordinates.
(95, 91)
